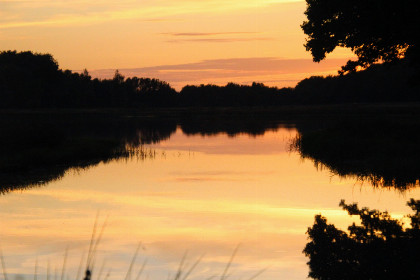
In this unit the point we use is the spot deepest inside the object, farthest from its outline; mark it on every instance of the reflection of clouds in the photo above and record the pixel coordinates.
(168, 225)
(220, 71)
(203, 179)
(216, 176)
(269, 217)
(224, 173)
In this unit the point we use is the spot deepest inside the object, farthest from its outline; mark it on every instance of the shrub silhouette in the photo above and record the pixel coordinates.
(380, 248)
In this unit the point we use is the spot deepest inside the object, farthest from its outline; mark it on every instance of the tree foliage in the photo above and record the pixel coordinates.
(375, 30)
(380, 248)
(30, 80)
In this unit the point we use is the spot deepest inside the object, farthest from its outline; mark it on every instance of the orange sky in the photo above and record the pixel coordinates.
(180, 41)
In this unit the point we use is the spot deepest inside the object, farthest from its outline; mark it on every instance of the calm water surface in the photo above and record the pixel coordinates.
(189, 193)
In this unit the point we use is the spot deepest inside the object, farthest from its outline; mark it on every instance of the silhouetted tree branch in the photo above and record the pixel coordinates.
(380, 248)
(376, 31)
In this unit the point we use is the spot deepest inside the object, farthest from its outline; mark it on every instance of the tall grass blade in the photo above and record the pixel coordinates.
(258, 274)
(79, 270)
(141, 269)
(36, 269)
(223, 277)
(92, 242)
(181, 265)
(63, 269)
(193, 267)
(48, 270)
(98, 240)
(128, 276)
(3, 266)
(101, 270)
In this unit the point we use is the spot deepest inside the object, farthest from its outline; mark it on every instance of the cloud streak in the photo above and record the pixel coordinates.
(82, 12)
(219, 40)
(200, 34)
(270, 70)
(208, 37)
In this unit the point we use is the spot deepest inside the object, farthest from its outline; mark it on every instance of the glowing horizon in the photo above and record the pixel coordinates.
(133, 34)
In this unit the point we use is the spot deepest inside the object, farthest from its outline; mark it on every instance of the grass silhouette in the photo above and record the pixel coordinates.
(183, 271)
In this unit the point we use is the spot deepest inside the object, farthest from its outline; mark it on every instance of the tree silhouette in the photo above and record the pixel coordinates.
(374, 30)
(380, 248)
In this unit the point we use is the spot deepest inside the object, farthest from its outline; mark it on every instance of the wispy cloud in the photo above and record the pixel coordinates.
(200, 34)
(270, 70)
(209, 37)
(81, 12)
(219, 40)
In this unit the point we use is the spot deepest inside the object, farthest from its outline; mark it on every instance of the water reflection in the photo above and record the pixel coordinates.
(40, 148)
(383, 153)
(202, 192)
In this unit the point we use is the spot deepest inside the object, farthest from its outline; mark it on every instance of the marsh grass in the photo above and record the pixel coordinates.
(183, 272)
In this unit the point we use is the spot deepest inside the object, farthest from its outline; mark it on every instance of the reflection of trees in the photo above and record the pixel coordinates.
(383, 153)
(37, 148)
(231, 127)
(380, 248)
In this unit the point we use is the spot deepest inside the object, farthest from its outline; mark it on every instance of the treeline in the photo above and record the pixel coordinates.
(388, 82)
(32, 80)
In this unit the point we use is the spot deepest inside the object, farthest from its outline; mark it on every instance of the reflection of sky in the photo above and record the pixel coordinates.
(201, 194)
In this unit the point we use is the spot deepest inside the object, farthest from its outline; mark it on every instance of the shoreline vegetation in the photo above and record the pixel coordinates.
(376, 143)
(33, 80)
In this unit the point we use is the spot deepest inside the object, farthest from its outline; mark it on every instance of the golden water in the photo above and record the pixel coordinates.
(201, 194)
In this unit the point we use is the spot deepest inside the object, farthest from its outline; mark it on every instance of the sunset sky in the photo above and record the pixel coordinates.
(180, 41)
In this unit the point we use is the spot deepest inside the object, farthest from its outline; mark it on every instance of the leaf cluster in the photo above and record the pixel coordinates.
(376, 31)
(379, 248)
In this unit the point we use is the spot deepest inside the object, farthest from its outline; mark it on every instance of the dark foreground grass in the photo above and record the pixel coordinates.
(183, 272)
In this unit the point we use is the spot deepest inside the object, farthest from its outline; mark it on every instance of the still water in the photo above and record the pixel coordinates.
(194, 194)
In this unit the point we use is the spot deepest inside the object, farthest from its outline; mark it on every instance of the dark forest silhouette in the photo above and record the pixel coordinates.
(379, 248)
(32, 80)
